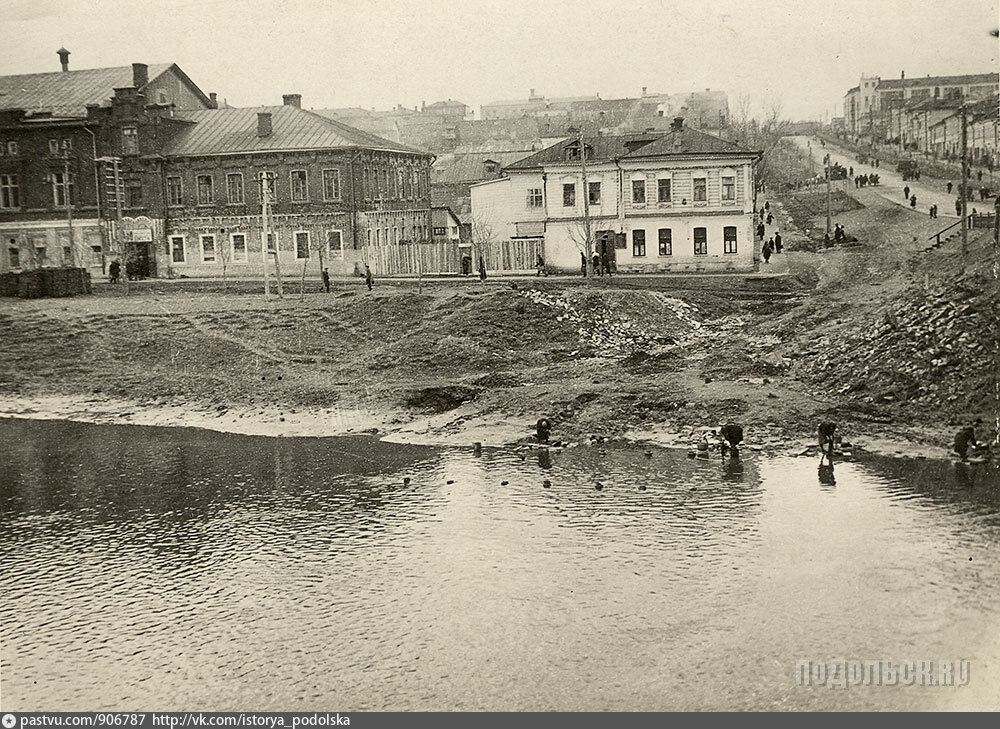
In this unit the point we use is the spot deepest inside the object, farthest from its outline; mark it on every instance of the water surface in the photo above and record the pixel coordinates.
(153, 568)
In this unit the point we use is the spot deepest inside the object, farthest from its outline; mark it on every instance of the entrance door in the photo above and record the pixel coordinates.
(606, 248)
(139, 265)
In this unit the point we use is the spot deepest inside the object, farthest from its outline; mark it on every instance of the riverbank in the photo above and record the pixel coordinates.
(892, 342)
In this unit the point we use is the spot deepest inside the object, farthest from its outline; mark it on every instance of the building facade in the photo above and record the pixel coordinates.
(175, 191)
(676, 201)
(52, 191)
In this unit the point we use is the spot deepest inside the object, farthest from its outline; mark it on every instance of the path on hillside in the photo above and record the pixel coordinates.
(891, 182)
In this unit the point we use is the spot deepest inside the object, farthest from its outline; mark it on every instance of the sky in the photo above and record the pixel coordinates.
(801, 54)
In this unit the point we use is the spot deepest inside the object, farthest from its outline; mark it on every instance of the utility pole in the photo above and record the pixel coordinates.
(265, 197)
(829, 174)
(69, 206)
(263, 233)
(963, 190)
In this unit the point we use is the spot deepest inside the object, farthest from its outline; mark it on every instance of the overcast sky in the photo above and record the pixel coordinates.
(377, 53)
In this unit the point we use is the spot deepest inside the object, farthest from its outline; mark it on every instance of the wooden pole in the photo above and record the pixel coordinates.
(965, 179)
(263, 233)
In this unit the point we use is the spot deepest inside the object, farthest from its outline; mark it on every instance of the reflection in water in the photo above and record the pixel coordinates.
(195, 569)
(826, 475)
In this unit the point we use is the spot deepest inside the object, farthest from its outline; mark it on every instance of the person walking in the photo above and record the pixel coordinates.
(326, 279)
(596, 261)
(850, 171)
(482, 269)
(369, 278)
(948, 187)
(765, 251)
(906, 192)
(777, 242)
(958, 206)
(114, 271)
(540, 265)
(583, 264)
(913, 201)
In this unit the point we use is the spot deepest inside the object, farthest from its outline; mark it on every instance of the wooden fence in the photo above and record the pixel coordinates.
(409, 259)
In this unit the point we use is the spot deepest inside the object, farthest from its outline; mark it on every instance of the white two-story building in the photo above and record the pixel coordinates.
(676, 201)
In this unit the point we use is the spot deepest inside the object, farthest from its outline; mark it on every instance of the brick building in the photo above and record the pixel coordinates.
(188, 192)
(51, 190)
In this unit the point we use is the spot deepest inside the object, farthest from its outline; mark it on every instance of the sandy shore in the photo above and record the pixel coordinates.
(459, 427)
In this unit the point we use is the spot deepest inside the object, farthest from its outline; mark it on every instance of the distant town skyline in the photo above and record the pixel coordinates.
(379, 54)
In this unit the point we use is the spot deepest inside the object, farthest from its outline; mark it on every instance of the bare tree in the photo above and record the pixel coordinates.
(224, 252)
(484, 237)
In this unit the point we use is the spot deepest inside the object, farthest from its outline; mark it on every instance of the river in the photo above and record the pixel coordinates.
(149, 567)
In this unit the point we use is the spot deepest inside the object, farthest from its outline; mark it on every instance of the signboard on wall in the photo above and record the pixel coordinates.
(136, 230)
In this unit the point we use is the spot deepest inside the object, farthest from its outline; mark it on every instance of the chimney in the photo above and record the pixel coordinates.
(214, 99)
(902, 75)
(292, 100)
(140, 75)
(644, 92)
(423, 105)
(64, 58)
(677, 124)
(263, 124)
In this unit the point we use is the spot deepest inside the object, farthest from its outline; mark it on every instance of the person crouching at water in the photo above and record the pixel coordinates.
(542, 429)
(966, 438)
(732, 436)
(825, 436)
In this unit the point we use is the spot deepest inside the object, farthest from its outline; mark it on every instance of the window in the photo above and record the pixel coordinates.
(335, 243)
(62, 188)
(638, 243)
(54, 147)
(300, 191)
(594, 192)
(239, 241)
(10, 192)
(728, 188)
(177, 248)
(534, 197)
(701, 241)
(273, 243)
(234, 188)
(666, 242)
(175, 191)
(700, 189)
(12, 149)
(67, 255)
(573, 153)
(272, 183)
(331, 184)
(14, 256)
(130, 140)
(569, 195)
(663, 191)
(133, 194)
(729, 239)
(638, 191)
(440, 231)
(206, 195)
(208, 249)
(301, 244)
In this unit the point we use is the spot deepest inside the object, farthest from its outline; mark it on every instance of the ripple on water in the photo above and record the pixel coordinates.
(149, 565)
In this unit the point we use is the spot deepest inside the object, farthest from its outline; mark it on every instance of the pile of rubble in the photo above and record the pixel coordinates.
(932, 348)
(647, 324)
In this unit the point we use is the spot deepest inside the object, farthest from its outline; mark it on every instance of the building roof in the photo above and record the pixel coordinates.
(634, 146)
(470, 167)
(67, 93)
(440, 215)
(233, 131)
(602, 149)
(689, 141)
(975, 78)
